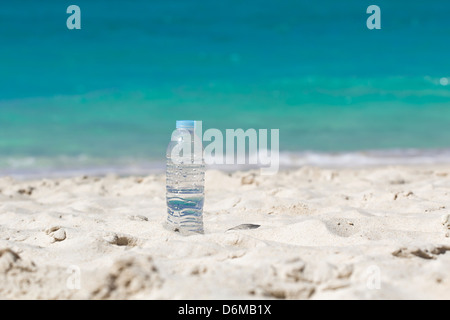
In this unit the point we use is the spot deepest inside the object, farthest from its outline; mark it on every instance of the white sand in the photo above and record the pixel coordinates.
(378, 233)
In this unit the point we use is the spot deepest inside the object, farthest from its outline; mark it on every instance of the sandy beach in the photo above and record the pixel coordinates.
(368, 233)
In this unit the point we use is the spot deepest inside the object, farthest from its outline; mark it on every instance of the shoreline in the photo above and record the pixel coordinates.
(66, 167)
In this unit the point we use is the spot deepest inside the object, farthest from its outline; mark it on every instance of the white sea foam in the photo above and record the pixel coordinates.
(365, 158)
(32, 167)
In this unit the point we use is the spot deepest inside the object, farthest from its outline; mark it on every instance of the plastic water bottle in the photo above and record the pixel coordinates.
(185, 179)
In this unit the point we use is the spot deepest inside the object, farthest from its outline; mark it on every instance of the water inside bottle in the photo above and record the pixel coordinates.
(185, 197)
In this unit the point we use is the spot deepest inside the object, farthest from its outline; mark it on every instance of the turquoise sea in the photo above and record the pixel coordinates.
(105, 98)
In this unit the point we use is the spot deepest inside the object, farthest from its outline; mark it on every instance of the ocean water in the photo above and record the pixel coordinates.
(105, 98)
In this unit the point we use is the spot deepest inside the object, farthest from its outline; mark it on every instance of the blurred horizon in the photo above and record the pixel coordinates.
(109, 94)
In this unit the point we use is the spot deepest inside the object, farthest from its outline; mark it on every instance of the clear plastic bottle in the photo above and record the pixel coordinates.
(185, 179)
